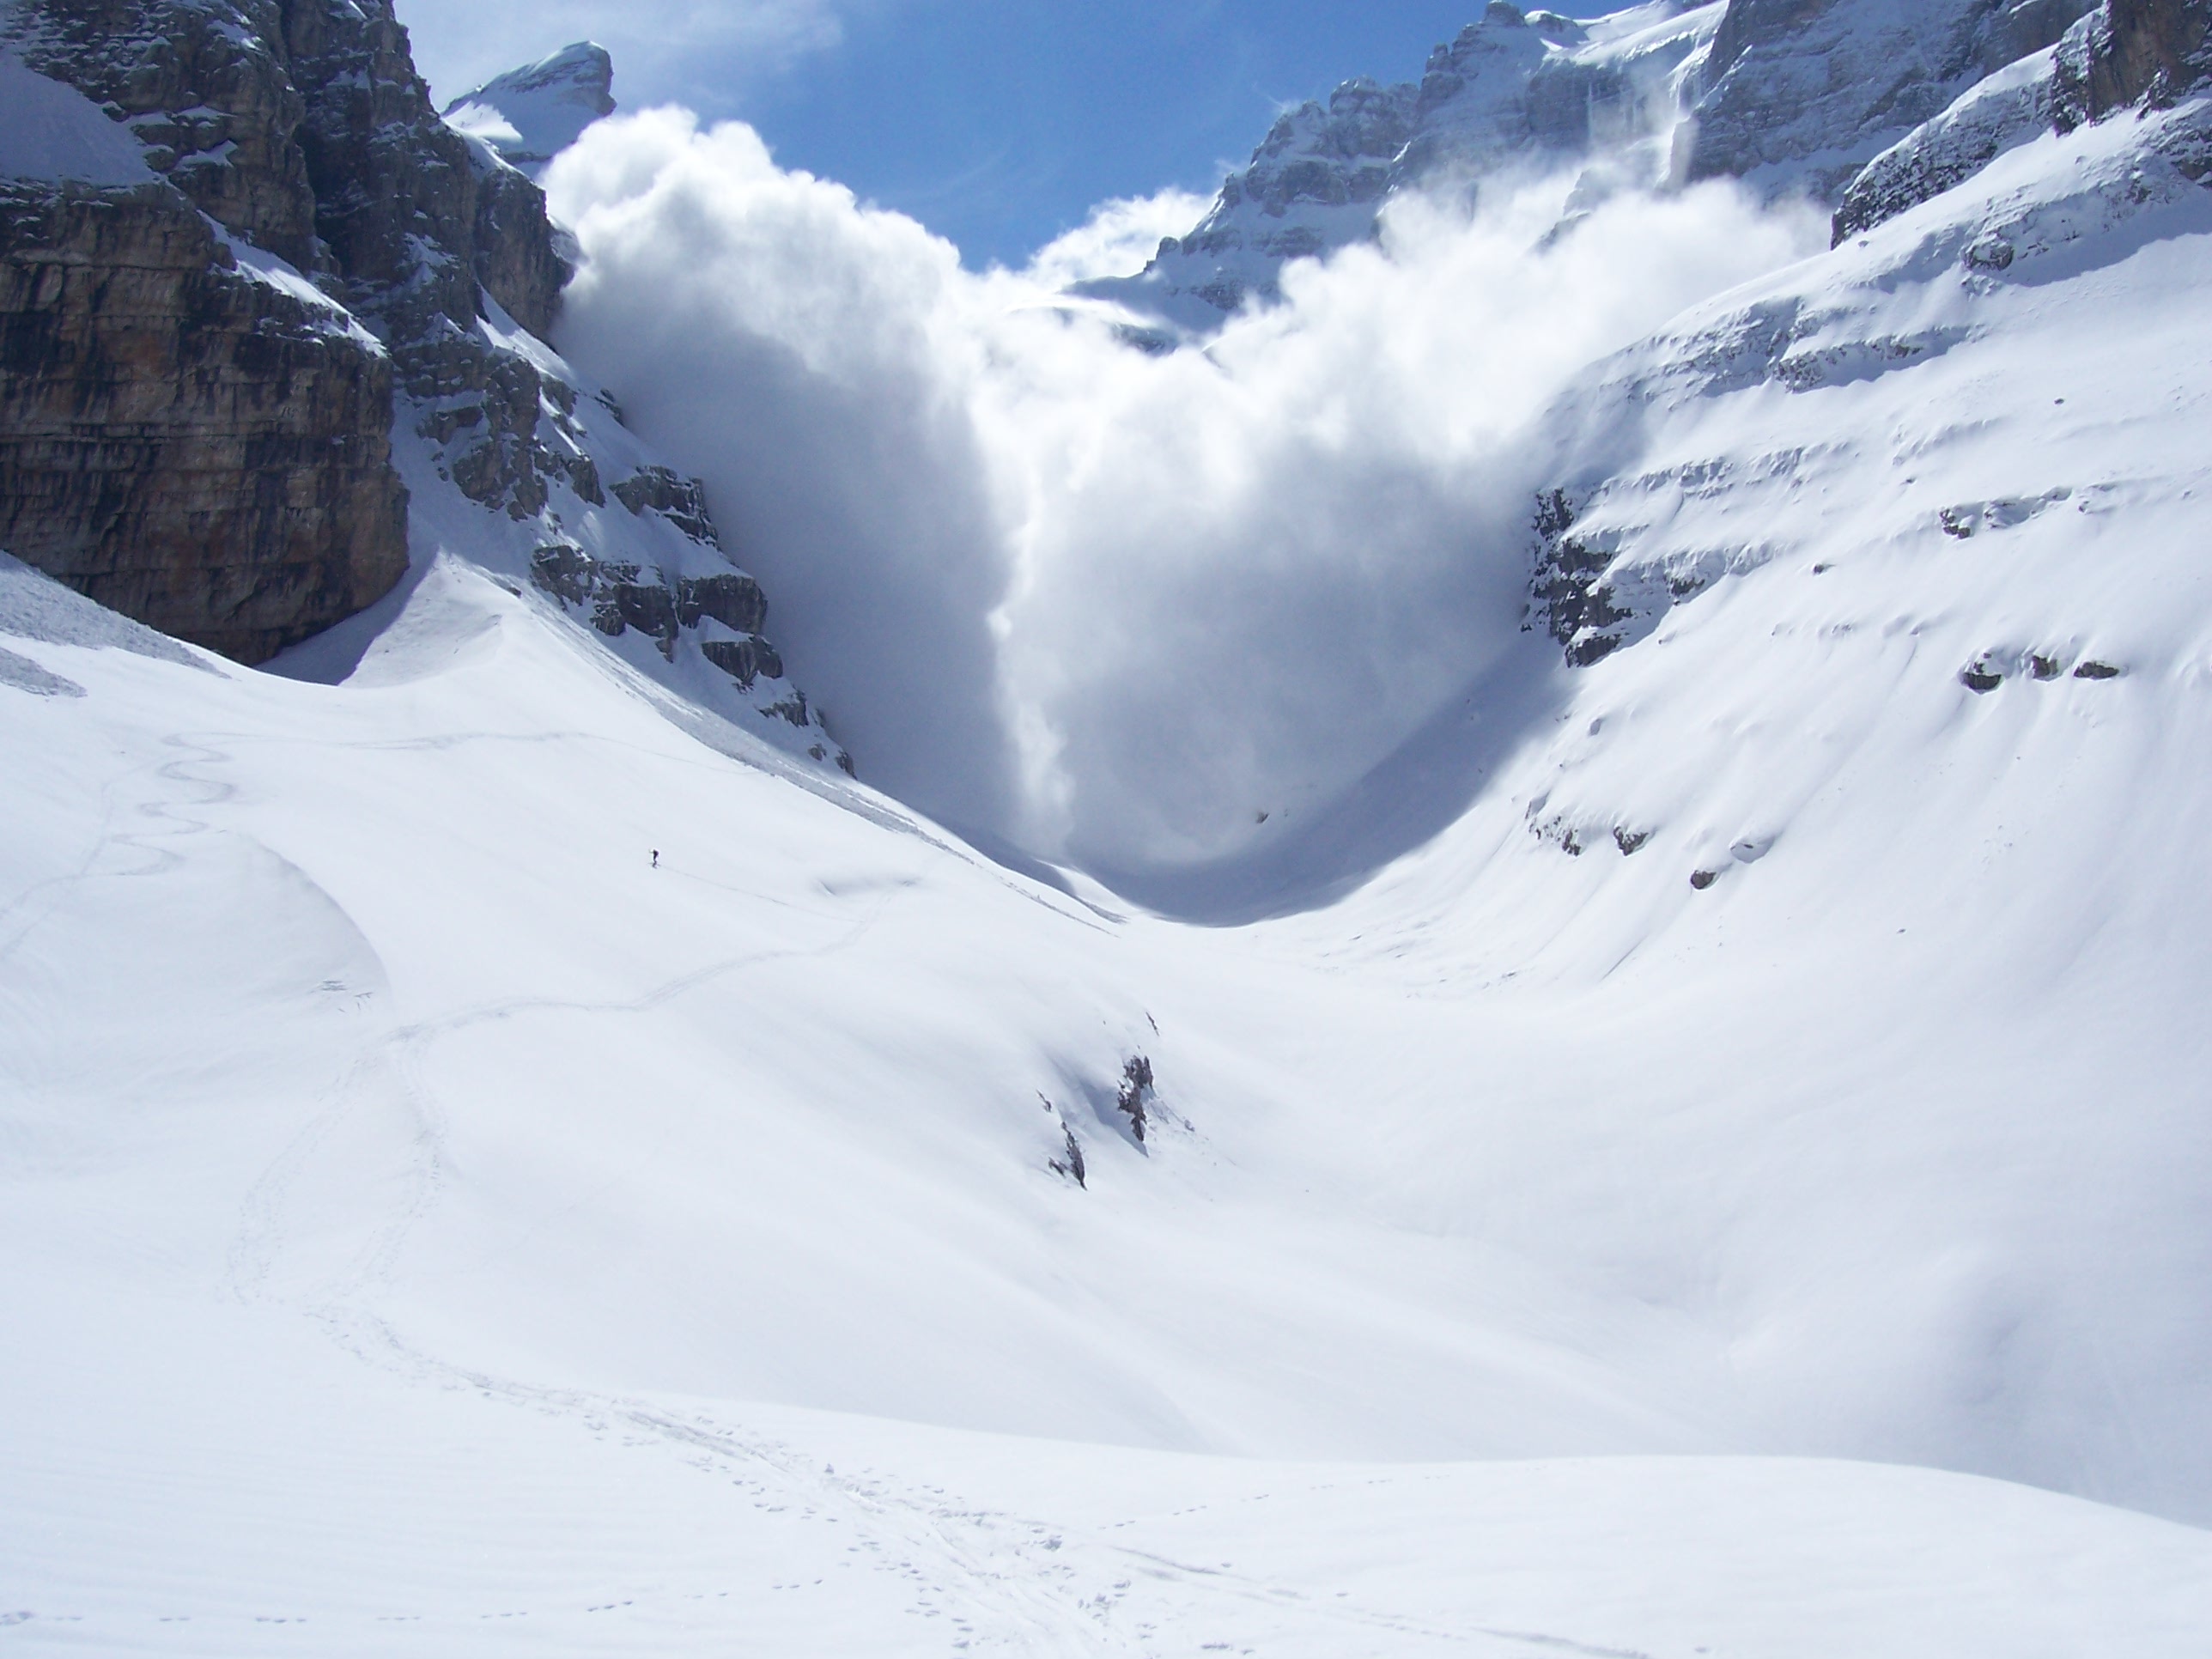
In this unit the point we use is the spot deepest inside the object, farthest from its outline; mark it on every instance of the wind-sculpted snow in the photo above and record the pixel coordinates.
(1136, 607)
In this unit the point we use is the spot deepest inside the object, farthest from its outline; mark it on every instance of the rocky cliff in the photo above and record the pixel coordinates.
(250, 280)
(2125, 54)
(203, 450)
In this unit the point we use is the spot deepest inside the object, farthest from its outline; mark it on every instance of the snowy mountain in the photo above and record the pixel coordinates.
(1788, 98)
(530, 115)
(1701, 1151)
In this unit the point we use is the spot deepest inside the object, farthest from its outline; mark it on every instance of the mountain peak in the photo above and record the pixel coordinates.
(529, 115)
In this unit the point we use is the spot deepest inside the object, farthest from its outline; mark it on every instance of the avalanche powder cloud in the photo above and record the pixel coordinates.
(1114, 606)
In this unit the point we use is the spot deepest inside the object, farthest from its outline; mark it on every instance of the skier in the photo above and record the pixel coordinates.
(656, 858)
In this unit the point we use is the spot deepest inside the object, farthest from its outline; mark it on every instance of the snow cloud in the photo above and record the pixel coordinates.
(1117, 238)
(1113, 605)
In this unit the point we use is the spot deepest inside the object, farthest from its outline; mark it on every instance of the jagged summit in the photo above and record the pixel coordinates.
(530, 115)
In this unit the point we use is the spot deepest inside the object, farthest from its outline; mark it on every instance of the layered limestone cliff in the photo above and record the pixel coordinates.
(196, 447)
(250, 280)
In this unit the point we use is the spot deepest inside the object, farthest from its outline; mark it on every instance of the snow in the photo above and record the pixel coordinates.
(530, 115)
(53, 133)
(426, 1224)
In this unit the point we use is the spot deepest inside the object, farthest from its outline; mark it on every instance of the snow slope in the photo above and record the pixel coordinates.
(1643, 1175)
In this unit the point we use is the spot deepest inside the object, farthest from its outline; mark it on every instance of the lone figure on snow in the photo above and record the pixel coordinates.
(656, 858)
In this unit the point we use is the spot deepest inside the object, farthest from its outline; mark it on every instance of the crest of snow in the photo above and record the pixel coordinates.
(530, 115)
(55, 134)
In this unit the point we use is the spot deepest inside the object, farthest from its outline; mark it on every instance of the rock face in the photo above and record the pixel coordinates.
(2126, 53)
(189, 432)
(532, 114)
(300, 128)
(2133, 51)
(1617, 548)
(248, 277)
(1800, 95)
(200, 450)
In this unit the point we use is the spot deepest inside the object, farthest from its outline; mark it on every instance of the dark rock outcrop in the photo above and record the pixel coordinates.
(210, 452)
(1135, 1097)
(197, 449)
(620, 596)
(2132, 51)
(1569, 596)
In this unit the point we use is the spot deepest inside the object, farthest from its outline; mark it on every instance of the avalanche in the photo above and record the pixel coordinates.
(1702, 1151)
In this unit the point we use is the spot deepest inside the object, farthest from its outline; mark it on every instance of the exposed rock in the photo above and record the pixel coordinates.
(1981, 677)
(200, 450)
(743, 660)
(2008, 108)
(2116, 55)
(1513, 87)
(1136, 1094)
(1071, 1164)
(2132, 52)
(210, 453)
(1569, 597)
(681, 500)
(2096, 670)
(735, 600)
(1801, 94)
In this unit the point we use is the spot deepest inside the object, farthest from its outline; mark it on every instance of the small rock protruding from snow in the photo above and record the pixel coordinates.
(530, 115)
(1137, 1093)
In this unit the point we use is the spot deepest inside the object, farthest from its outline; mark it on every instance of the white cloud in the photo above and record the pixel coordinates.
(1117, 238)
(1114, 605)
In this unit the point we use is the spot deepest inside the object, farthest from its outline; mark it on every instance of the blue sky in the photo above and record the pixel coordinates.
(998, 124)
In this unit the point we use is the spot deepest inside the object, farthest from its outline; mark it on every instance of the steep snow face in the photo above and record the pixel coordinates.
(1531, 91)
(530, 115)
(54, 134)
